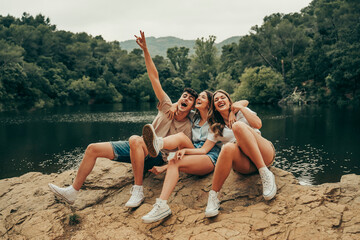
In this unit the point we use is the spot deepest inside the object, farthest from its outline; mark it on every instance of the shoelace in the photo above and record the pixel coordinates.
(266, 181)
(156, 207)
(134, 193)
(213, 201)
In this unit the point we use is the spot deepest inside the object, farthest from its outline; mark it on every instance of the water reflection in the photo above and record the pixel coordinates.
(316, 143)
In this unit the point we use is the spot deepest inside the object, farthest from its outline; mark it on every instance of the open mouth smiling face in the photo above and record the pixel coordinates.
(186, 102)
(221, 102)
(202, 101)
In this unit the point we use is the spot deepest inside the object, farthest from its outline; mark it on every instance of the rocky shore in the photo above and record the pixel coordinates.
(28, 210)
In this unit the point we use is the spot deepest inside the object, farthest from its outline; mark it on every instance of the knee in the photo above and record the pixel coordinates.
(228, 148)
(91, 150)
(135, 141)
(227, 152)
(239, 128)
(182, 135)
(173, 164)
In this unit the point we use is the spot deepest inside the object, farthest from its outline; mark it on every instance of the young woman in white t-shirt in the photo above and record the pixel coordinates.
(244, 149)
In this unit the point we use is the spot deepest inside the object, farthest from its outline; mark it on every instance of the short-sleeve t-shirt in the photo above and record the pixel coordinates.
(165, 127)
(199, 133)
(228, 134)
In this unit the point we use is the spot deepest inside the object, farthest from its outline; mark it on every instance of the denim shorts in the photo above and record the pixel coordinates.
(122, 154)
(213, 153)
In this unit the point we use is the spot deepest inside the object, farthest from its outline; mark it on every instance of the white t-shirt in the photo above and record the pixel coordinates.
(228, 134)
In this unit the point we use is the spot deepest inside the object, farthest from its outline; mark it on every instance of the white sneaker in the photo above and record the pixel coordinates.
(213, 205)
(153, 143)
(160, 211)
(68, 194)
(137, 196)
(268, 182)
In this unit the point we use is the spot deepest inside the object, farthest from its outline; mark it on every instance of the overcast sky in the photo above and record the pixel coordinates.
(121, 19)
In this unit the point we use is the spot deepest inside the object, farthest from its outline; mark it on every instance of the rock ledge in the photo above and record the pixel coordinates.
(28, 210)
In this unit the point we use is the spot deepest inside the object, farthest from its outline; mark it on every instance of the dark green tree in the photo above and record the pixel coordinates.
(179, 59)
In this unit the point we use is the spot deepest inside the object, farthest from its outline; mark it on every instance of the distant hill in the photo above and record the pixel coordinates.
(158, 46)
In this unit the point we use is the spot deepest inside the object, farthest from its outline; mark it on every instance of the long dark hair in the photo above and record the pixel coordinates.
(209, 96)
(216, 121)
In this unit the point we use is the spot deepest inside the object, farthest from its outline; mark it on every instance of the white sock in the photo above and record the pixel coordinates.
(72, 190)
(215, 192)
(138, 188)
(264, 171)
(161, 142)
(162, 201)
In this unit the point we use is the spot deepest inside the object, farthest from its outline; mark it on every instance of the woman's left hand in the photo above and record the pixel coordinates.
(232, 119)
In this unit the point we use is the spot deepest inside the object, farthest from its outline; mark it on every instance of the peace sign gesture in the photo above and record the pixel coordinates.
(141, 40)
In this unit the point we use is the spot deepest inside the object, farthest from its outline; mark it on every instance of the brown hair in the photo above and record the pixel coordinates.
(209, 96)
(216, 121)
(192, 92)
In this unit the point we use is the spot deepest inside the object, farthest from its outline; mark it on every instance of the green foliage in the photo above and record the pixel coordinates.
(316, 52)
(203, 68)
(260, 85)
(41, 66)
(141, 90)
(74, 219)
(81, 90)
(179, 59)
(10, 53)
(174, 87)
(225, 82)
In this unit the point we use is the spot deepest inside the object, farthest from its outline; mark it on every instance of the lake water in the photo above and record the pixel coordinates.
(317, 144)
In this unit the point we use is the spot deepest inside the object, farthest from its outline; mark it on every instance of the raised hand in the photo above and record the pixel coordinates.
(141, 40)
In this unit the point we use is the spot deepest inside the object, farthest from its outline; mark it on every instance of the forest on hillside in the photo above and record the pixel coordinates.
(310, 56)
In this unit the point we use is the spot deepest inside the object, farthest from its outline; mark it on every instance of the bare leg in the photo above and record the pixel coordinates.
(257, 148)
(191, 164)
(179, 140)
(93, 151)
(138, 152)
(230, 157)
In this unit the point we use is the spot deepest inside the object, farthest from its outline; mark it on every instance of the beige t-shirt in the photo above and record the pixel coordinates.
(165, 127)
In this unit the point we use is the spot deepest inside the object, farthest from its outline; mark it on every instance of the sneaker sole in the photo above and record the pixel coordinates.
(211, 214)
(134, 205)
(158, 218)
(60, 196)
(148, 135)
